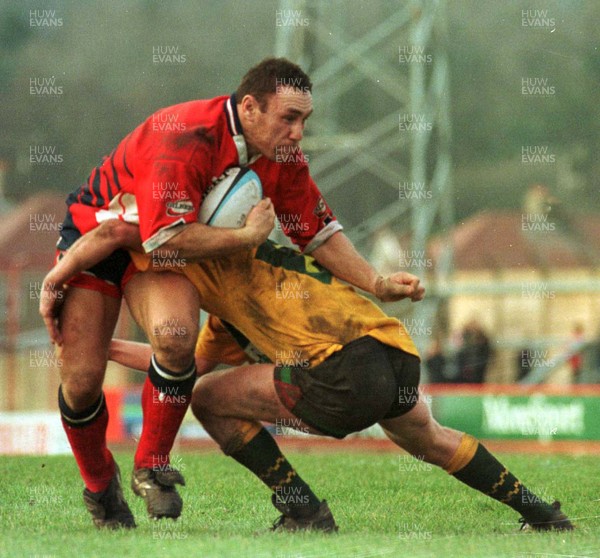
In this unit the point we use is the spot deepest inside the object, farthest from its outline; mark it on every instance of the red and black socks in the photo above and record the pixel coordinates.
(86, 431)
(166, 396)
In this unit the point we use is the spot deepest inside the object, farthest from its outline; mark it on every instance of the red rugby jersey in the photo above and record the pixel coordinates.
(158, 174)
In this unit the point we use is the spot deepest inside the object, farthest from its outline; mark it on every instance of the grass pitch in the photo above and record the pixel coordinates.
(385, 505)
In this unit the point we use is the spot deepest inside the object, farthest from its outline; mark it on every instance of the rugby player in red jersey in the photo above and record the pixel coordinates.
(156, 178)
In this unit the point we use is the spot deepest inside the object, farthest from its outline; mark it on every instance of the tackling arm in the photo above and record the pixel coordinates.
(86, 252)
(137, 356)
(340, 257)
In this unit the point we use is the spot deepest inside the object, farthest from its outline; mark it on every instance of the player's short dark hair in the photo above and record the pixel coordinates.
(270, 74)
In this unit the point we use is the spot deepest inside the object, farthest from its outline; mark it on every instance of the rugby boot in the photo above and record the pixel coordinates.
(321, 520)
(559, 522)
(109, 508)
(157, 488)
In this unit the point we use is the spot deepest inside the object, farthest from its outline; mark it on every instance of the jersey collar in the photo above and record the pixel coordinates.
(235, 129)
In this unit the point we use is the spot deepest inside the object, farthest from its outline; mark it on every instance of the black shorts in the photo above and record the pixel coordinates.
(363, 383)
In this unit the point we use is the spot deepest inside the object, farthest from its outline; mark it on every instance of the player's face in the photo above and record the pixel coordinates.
(281, 126)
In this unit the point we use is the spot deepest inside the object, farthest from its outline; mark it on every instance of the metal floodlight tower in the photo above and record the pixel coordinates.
(340, 57)
(430, 151)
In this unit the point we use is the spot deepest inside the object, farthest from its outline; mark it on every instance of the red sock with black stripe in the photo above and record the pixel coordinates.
(166, 396)
(86, 432)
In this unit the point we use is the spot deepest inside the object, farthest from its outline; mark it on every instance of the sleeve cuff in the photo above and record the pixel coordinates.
(162, 235)
(323, 235)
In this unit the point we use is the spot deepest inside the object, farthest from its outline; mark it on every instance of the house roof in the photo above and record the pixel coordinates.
(28, 233)
(513, 239)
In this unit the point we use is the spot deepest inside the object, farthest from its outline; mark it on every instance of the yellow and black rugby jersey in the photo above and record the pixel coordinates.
(291, 308)
(222, 343)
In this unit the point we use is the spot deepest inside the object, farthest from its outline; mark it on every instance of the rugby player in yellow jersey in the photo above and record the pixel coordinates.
(338, 365)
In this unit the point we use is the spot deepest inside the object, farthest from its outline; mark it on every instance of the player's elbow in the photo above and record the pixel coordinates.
(114, 233)
(126, 235)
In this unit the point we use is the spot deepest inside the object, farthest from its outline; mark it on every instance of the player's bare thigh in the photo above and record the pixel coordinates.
(245, 392)
(421, 435)
(87, 322)
(167, 307)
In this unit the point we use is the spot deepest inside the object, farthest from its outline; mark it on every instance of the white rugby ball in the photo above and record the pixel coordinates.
(229, 201)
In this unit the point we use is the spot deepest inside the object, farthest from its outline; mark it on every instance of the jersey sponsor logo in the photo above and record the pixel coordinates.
(181, 207)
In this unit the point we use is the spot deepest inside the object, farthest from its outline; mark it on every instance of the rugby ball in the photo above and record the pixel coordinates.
(229, 201)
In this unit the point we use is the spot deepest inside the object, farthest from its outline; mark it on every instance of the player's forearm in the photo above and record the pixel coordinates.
(340, 257)
(93, 247)
(130, 354)
(86, 252)
(197, 241)
(137, 356)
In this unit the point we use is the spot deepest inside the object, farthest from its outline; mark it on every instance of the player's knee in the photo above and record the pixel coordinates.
(82, 370)
(173, 341)
(421, 419)
(203, 398)
(197, 404)
(81, 391)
